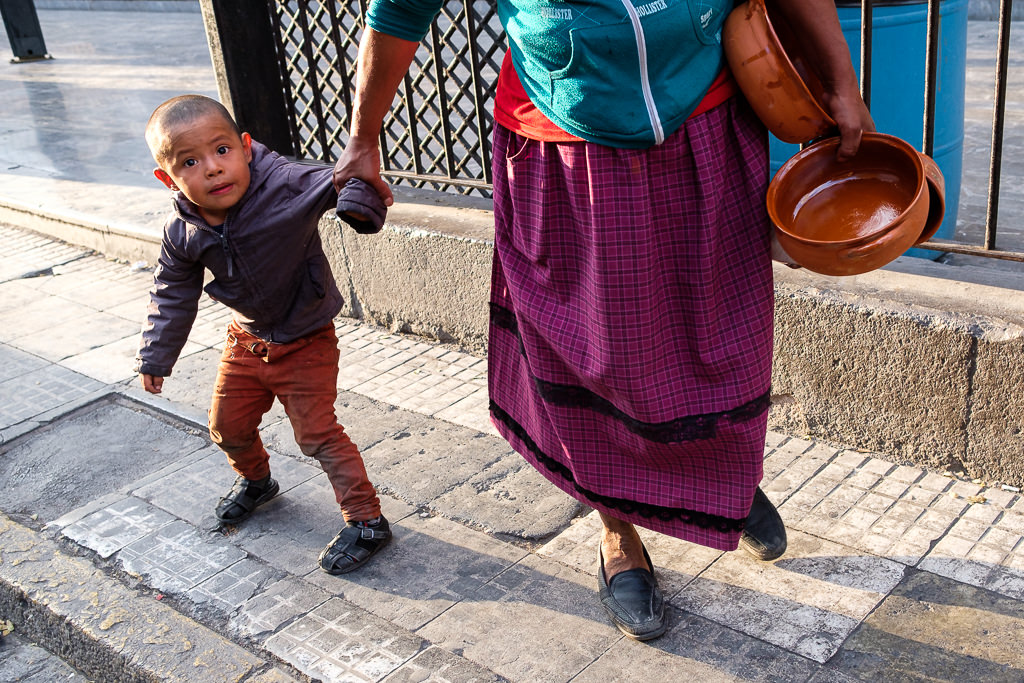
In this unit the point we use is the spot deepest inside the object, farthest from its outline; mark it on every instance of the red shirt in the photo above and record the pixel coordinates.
(514, 110)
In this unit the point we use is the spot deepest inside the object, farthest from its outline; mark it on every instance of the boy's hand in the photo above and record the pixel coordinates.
(152, 384)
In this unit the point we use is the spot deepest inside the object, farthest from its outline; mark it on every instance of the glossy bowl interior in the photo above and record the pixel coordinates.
(768, 65)
(851, 217)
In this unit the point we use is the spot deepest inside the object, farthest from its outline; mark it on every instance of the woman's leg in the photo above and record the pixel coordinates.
(621, 547)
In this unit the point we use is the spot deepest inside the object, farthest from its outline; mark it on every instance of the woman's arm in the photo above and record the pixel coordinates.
(817, 24)
(383, 62)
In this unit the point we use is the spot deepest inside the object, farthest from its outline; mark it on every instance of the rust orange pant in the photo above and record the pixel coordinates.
(303, 375)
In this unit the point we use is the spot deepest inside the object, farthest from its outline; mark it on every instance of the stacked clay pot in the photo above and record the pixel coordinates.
(835, 218)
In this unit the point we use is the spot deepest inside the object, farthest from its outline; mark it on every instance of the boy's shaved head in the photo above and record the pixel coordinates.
(176, 111)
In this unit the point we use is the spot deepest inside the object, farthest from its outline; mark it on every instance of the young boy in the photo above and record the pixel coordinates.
(250, 217)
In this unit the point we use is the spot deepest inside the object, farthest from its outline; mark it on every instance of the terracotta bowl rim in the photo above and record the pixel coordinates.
(785, 63)
(830, 143)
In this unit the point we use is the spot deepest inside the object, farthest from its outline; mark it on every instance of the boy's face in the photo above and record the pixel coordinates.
(209, 162)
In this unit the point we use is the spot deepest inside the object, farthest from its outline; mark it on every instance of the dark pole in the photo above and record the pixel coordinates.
(244, 52)
(23, 30)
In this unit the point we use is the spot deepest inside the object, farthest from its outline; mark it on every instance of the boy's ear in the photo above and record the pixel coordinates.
(162, 176)
(247, 146)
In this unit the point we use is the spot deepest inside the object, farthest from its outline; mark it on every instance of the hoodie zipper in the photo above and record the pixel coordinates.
(645, 81)
(227, 249)
(222, 235)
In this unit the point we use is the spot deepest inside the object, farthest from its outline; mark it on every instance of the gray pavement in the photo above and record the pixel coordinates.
(109, 555)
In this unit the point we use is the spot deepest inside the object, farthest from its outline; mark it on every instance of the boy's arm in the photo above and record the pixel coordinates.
(173, 304)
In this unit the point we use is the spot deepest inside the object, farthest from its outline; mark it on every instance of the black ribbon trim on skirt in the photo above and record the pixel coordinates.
(688, 428)
(702, 520)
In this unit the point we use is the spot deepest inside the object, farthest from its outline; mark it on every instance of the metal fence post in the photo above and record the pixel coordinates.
(244, 55)
(23, 30)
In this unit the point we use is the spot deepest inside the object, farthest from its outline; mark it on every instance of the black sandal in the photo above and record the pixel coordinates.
(244, 497)
(354, 546)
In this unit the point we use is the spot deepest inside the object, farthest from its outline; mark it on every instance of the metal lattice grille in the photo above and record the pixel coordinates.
(438, 132)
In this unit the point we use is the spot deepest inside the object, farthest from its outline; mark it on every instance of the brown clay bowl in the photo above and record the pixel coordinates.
(937, 197)
(769, 67)
(855, 216)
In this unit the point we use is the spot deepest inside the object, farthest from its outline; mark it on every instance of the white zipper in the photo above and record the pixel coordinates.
(645, 81)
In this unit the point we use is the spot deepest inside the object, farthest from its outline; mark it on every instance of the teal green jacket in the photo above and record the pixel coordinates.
(623, 73)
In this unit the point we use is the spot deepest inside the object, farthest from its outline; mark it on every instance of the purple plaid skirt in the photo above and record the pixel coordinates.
(631, 321)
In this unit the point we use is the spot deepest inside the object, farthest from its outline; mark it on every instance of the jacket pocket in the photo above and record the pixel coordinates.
(707, 17)
(599, 88)
(315, 271)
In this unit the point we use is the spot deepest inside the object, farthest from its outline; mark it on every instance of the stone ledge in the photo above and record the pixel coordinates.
(105, 630)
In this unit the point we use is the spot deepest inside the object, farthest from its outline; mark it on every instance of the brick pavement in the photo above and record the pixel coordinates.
(491, 574)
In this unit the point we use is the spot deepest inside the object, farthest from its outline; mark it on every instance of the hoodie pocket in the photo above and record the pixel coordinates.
(315, 272)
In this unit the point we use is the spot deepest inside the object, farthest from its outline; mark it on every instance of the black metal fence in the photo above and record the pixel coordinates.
(439, 131)
(438, 134)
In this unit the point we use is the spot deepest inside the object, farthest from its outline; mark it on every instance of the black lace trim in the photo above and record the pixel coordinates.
(665, 514)
(504, 318)
(688, 428)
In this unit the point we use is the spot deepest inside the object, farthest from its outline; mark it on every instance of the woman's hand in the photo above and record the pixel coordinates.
(817, 24)
(852, 117)
(361, 159)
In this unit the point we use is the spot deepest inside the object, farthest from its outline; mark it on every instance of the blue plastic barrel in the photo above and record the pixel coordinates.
(898, 72)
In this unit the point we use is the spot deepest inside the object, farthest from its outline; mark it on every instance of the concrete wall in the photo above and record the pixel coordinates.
(920, 361)
(922, 368)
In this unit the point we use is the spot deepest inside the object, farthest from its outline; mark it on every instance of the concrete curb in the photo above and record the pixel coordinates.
(109, 239)
(106, 630)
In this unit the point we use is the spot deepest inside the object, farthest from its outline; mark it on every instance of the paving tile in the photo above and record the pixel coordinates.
(110, 363)
(435, 665)
(849, 502)
(471, 411)
(15, 362)
(229, 589)
(789, 467)
(551, 624)
(177, 557)
(430, 565)
(987, 555)
(192, 492)
(508, 497)
(37, 391)
(109, 530)
(430, 459)
(113, 292)
(696, 649)
(289, 532)
(932, 628)
(338, 642)
(808, 602)
(41, 316)
(16, 294)
(283, 602)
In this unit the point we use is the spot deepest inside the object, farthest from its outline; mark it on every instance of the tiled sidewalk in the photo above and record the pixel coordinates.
(876, 551)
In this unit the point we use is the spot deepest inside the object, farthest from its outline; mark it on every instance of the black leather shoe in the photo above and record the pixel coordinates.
(244, 497)
(632, 600)
(764, 536)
